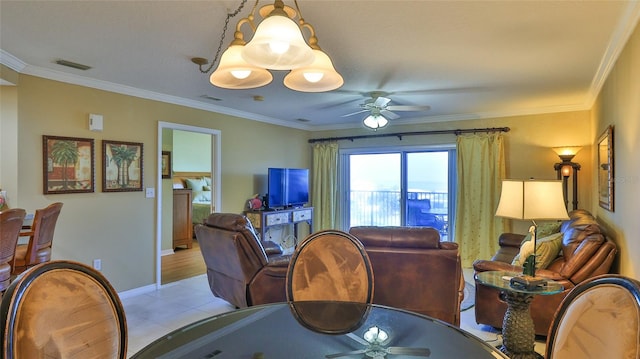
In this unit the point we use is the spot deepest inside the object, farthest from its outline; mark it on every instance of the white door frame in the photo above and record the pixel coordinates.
(216, 147)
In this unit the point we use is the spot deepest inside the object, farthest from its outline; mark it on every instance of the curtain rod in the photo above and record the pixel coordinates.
(401, 134)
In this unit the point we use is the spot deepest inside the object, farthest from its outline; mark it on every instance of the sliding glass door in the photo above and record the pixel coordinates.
(399, 188)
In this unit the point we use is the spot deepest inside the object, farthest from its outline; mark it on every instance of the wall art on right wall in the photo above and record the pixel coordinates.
(605, 169)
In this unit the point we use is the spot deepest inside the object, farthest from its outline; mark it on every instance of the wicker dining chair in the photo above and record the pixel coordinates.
(62, 309)
(10, 224)
(38, 250)
(330, 266)
(599, 318)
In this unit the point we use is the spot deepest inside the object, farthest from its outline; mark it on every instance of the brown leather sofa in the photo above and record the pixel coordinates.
(241, 269)
(586, 252)
(414, 270)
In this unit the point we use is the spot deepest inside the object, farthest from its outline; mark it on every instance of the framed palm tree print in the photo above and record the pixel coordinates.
(68, 164)
(121, 166)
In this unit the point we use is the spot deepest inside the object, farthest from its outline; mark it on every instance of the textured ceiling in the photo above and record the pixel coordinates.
(465, 59)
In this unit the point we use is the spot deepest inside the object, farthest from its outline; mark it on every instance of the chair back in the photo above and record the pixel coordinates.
(233, 255)
(41, 238)
(414, 270)
(10, 225)
(62, 309)
(599, 318)
(330, 266)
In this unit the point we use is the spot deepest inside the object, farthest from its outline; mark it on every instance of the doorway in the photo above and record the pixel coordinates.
(165, 188)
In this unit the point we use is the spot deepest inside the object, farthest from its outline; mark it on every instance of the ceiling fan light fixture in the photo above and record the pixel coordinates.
(375, 122)
(320, 76)
(235, 73)
(278, 43)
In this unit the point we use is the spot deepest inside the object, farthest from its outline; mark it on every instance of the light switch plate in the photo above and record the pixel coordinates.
(150, 192)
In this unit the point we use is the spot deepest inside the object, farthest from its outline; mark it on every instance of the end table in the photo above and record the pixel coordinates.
(518, 334)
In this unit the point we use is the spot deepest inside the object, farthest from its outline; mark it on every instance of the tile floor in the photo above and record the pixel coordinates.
(153, 314)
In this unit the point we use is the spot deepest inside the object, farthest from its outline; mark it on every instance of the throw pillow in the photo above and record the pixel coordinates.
(202, 196)
(196, 184)
(548, 228)
(547, 249)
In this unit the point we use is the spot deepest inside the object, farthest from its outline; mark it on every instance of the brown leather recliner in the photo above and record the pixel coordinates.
(414, 270)
(241, 269)
(586, 252)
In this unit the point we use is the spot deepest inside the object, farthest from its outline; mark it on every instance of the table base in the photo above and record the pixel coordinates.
(518, 334)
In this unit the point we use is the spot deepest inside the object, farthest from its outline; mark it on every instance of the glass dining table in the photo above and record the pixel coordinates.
(319, 330)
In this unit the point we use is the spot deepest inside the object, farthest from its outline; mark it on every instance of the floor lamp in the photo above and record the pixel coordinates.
(565, 169)
(531, 200)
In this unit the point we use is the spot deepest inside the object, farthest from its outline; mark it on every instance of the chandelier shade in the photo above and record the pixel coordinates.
(234, 72)
(319, 76)
(278, 44)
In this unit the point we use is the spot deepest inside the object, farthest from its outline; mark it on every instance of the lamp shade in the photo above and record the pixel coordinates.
(532, 199)
(320, 76)
(567, 150)
(235, 73)
(278, 45)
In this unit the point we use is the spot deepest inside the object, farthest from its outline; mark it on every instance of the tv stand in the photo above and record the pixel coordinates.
(264, 220)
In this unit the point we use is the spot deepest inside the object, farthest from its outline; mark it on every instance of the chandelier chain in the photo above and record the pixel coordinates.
(224, 32)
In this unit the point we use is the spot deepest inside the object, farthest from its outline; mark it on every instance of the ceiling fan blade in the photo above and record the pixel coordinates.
(345, 354)
(389, 115)
(381, 101)
(408, 108)
(354, 113)
(416, 352)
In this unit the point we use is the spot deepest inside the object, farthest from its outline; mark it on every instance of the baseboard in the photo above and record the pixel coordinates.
(166, 252)
(137, 291)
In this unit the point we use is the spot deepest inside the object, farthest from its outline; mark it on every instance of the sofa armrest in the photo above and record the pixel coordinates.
(279, 261)
(271, 248)
(510, 240)
(509, 247)
(485, 265)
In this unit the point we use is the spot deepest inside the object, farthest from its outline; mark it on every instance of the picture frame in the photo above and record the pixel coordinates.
(166, 164)
(122, 166)
(606, 169)
(68, 165)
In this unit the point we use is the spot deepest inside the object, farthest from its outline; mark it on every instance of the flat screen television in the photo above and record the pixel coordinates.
(287, 187)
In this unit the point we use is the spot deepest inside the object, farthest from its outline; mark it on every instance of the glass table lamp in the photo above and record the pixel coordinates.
(531, 200)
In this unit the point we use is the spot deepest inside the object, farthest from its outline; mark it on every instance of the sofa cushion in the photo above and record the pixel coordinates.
(547, 249)
(397, 237)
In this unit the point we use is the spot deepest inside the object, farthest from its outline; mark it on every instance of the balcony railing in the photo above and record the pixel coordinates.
(382, 208)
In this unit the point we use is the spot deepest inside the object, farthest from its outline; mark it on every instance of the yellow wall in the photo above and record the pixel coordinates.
(619, 105)
(9, 143)
(119, 227)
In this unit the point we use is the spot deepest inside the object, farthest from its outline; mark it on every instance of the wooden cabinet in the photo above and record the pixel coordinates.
(182, 226)
(263, 220)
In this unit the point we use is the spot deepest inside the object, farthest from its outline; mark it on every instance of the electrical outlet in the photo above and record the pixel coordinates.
(97, 264)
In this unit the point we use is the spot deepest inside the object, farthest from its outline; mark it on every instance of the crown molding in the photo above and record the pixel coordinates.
(19, 66)
(627, 24)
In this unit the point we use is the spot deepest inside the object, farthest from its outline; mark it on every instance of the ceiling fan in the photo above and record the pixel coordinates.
(380, 111)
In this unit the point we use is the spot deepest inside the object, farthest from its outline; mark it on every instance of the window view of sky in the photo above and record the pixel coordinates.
(426, 172)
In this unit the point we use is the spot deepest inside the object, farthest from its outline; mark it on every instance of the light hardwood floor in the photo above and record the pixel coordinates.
(184, 263)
